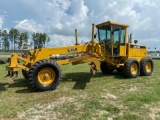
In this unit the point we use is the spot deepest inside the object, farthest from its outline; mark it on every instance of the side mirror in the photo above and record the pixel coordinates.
(95, 35)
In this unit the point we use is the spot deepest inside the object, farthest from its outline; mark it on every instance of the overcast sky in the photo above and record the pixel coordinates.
(59, 18)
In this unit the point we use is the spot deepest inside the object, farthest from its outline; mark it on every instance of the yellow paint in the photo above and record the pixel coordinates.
(46, 76)
(112, 23)
(94, 52)
(148, 67)
(122, 51)
(134, 68)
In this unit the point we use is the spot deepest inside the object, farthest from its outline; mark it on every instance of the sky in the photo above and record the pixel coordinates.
(59, 18)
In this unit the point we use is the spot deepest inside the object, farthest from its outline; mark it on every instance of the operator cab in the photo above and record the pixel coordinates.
(112, 37)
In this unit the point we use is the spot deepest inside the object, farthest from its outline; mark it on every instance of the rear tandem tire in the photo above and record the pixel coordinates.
(44, 75)
(120, 70)
(147, 66)
(131, 68)
(105, 68)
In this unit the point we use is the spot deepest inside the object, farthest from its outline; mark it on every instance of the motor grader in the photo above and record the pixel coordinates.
(113, 51)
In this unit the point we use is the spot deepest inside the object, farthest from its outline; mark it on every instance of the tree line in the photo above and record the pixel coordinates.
(15, 40)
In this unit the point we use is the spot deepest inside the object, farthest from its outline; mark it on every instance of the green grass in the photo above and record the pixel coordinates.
(80, 97)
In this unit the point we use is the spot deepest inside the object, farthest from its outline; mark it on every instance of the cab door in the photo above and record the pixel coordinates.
(104, 34)
(118, 36)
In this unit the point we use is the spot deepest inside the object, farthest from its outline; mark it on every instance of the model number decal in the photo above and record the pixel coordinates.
(72, 50)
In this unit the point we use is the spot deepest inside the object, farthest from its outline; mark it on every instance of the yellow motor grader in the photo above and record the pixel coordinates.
(113, 51)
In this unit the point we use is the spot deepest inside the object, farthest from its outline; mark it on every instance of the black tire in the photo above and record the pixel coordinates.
(39, 72)
(146, 66)
(25, 74)
(105, 68)
(120, 70)
(131, 68)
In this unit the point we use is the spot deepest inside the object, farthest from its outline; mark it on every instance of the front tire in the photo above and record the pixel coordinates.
(44, 75)
(131, 68)
(25, 74)
(146, 66)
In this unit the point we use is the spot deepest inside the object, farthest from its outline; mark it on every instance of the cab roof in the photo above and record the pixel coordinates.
(111, 23)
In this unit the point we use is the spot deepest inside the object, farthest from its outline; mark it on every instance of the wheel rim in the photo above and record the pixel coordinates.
(134, 68)
(148, 67)
(46, 76)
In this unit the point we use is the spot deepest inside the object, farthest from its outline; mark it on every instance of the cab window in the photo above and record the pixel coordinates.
(104, 33)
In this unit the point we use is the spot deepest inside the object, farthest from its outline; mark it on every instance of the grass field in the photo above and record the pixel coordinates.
(79, 97)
